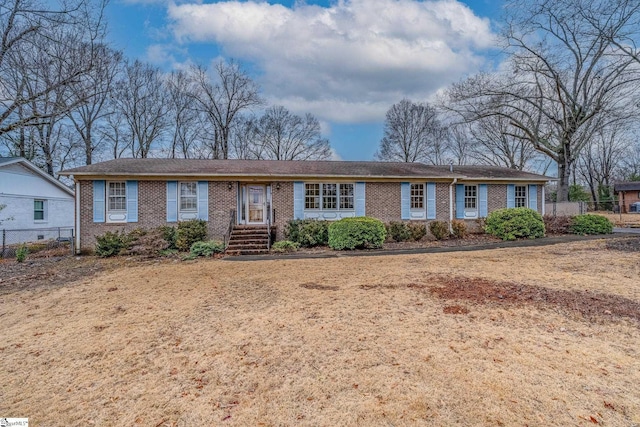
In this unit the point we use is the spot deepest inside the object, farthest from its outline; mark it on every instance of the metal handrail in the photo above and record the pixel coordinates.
(232, 222)
(269, 228)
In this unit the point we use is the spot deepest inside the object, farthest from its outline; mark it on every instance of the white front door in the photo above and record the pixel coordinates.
(256, 204)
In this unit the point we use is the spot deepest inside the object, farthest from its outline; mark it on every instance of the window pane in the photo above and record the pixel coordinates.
(521, 196)
(329, 196)
(346, 196)
(312, 196)
(117, 196)
(470, 193)
(188, 196)
(38, 210)
(417, 196)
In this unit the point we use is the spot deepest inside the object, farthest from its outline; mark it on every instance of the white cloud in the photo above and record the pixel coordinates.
(346, 62)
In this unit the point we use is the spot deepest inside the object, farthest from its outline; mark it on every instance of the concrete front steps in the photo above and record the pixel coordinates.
(248, 240)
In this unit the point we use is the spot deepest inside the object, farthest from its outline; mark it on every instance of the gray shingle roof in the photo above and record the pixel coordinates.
(627, 186)
(294, 169)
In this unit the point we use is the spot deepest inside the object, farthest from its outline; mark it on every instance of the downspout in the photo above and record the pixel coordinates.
(455, 180)
(543, 201)
(77, 236)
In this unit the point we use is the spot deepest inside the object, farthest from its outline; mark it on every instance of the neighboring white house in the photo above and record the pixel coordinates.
(34, 200)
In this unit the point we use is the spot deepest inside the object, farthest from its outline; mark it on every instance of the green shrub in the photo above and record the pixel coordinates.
(206, 249)
(285, 246)
(514, 223)
(591, 224)
(308, 232)
(439, 229)
(169, 235)
(358, 232)
(110, 243)
(417, 230)
(559, 224)
(399, 231)
(21, 253)
(459, 229)
(190, 232)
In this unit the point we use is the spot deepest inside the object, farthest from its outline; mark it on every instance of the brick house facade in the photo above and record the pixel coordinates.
(147, 193)
(628, 195)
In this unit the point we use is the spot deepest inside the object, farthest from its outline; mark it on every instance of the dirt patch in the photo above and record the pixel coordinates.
(631, 244)
(455, 309)
(319, 287)
(43, 272)
(589, 304)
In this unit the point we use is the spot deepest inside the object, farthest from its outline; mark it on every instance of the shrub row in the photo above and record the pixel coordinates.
(152, 242)
(403, 231)
(308, 232)
(579, 224)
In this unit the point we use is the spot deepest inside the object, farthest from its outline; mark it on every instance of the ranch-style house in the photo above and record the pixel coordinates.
(125, 194)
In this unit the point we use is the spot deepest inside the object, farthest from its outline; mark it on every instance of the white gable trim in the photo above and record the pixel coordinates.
(39, 172)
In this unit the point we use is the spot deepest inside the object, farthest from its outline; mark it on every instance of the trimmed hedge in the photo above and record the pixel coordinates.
(514, 223)
(459, 229)
(399, 231)
(206, 249)
(591, 224)
(358, 232)
(308, 232)
(285, 246)
(439, 229)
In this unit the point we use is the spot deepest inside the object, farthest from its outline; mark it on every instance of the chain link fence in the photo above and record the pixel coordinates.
(35, 239)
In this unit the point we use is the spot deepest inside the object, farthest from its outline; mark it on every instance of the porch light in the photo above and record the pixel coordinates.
(278, 186)
(230, 185)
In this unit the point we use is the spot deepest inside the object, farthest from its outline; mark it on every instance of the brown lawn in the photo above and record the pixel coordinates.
(622, 220)
(522, 336)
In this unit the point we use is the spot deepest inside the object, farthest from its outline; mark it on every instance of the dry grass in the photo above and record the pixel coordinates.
(346, 341)
(622, 220)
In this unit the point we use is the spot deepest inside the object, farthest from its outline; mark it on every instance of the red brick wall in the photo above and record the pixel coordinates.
(282, 203)
(627, 198)
(383, 201)
(222, 201)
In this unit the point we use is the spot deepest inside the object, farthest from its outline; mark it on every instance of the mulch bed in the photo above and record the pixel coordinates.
(591, 305)
(631, 244)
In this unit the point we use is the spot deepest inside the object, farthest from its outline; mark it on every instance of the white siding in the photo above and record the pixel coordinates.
(19, 187)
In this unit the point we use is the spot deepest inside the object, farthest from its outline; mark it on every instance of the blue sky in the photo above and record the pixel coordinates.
(345, 61)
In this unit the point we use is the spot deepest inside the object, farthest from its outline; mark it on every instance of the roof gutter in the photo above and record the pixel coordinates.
(455, 180)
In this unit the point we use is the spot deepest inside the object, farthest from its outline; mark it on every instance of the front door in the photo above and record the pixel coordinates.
(256, 204)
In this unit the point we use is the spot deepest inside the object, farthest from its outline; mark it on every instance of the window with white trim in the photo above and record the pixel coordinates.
(470, 196)
(39, 210)
(312, 196)
(117, 197)
(346, 196)
(521, 196)
(188, 196)
(328, 196)
(417, 196)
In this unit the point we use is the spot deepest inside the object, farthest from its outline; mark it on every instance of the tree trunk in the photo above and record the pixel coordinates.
(564, 173)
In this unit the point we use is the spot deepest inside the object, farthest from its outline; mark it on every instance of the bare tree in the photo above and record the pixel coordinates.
(143, 101)
(222, 99)
(243, 142)
(92, 95)
(494, 145)
(566, 83)
(186, 122)
(599, 163)
(33, 33)
(412, 133)
(281, 135)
